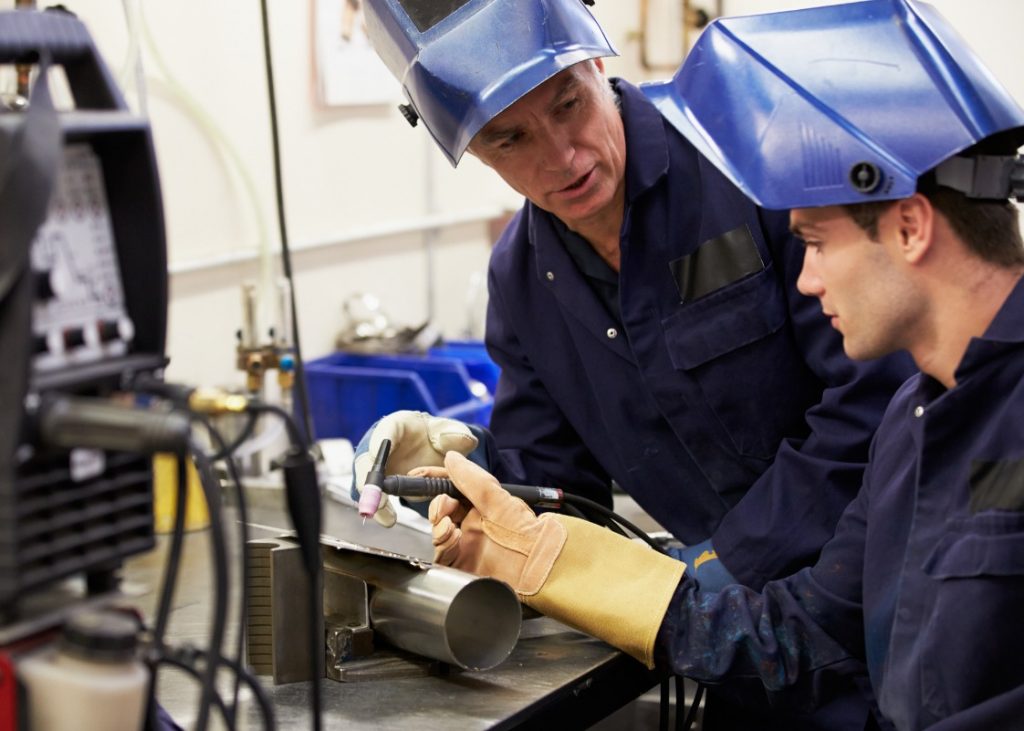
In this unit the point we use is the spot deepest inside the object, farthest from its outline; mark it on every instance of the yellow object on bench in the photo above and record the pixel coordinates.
(165, 493)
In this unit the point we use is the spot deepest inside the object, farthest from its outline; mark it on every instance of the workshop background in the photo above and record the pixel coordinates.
(371, 206)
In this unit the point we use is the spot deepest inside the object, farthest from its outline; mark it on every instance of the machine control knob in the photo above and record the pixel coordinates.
(120, 328)
(50, 283)
(74, 337)
(44, 285)
(109, 330)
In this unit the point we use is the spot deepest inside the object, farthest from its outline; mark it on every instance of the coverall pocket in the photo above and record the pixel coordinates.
(972, 643)
(732, 342)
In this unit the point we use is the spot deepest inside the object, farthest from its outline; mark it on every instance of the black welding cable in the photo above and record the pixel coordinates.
(266, 709)
(694, 707)
(174, 552)
(243, 520)
(663, 706)
(218, 702)
(570, 509)
(286, 256)
(590, 505)
(224, 450)
(163, 609)
(222, 582)
(294, 434)
(303, 499)
(585, 512)
(680, 702)
(184, 659)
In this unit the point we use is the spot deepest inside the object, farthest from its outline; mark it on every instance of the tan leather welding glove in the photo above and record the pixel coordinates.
(417, 439)
(574, 571)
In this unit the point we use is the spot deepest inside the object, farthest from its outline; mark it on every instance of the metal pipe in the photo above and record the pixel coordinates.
(439, 612)
(283, 333)
(250, 337)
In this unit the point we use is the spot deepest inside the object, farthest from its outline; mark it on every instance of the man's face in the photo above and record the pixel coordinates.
(562, 146)
(862, 284)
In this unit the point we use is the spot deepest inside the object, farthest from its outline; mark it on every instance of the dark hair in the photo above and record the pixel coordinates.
(990, 229)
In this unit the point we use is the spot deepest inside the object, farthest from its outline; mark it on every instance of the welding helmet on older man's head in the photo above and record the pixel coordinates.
(845, 104)
(462, 62)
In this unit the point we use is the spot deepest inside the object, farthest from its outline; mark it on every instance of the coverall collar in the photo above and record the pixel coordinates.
(646, 147)
(1006, 332)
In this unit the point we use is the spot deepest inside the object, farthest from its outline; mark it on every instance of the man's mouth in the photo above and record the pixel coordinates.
(578, 183)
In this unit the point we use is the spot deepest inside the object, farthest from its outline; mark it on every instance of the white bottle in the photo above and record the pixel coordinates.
(90, 680)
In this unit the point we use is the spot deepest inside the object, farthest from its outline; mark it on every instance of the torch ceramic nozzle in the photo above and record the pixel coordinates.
(371, 495)
(369, 500)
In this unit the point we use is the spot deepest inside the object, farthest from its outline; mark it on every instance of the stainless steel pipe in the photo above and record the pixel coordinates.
(439, 612)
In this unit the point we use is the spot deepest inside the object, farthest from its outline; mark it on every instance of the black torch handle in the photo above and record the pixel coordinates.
(429, 487)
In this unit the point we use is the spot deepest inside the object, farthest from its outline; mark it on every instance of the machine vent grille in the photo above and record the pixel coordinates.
(57, 526)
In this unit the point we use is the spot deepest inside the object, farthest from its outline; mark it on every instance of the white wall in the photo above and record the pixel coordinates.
(357, 181)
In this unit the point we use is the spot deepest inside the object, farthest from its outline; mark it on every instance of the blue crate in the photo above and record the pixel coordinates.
(474, 354)
(348, 392)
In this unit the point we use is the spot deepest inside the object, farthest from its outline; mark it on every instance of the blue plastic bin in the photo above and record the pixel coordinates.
(348, 392)
(474, 355)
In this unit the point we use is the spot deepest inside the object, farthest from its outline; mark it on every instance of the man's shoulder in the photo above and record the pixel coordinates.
(507, 251)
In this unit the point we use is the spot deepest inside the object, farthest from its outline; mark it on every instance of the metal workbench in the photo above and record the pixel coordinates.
(555, 678)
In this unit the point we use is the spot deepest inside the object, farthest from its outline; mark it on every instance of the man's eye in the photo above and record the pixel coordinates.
(570, 104)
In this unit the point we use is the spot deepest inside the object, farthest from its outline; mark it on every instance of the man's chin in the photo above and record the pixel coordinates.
(863, 351)
(577, 213)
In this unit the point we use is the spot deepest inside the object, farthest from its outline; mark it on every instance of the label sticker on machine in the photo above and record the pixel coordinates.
(79, 313)
(86, 464)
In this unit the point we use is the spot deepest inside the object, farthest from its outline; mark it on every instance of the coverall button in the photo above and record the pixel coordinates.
(612, 333)
(551, 276)
(919, 411)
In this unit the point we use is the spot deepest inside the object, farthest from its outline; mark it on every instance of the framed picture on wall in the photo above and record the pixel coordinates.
(348, 70)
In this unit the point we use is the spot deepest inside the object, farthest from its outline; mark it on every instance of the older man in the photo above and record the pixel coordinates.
(911, 244)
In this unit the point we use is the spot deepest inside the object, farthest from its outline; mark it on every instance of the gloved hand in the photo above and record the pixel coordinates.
(417, 439)
(574, 571)
(702, 564)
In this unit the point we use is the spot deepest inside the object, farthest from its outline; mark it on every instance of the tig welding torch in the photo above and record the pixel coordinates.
(429, 487)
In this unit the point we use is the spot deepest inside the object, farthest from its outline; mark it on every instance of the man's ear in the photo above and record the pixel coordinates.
(599, 62)
(916, 225)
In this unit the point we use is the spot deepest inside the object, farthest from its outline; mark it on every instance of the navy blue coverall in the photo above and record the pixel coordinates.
(925, 576)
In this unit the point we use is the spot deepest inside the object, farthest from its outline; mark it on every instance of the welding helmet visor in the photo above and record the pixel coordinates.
(835, 105)
(462, 62)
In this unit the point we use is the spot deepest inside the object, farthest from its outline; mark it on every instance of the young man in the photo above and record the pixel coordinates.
(911, 244)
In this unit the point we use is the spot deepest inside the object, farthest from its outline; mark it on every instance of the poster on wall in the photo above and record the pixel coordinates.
(348, 70)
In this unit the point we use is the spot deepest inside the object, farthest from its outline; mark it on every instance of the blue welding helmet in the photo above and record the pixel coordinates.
(843, 104)
(462, 62)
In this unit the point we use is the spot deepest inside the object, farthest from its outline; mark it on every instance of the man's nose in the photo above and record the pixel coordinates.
(556, 149)
(809, 282)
